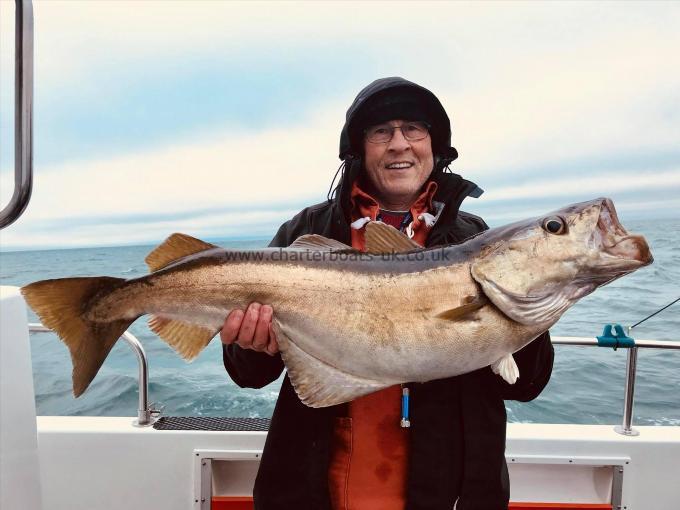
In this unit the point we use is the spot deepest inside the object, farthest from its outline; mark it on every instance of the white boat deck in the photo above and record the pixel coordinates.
(107, 463)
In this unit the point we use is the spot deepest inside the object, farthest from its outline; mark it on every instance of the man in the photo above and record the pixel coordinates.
(395, 147)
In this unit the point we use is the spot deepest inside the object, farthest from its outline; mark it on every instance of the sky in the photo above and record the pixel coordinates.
(222, 119)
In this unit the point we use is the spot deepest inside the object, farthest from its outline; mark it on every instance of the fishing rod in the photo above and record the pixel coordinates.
(655, 313)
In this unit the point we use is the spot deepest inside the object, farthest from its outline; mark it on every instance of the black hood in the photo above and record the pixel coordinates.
(351, 146)
(351, 137)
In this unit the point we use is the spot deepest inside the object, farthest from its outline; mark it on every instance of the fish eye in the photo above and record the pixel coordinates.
(555, 225)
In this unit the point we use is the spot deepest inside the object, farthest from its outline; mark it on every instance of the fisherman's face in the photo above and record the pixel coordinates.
(398, 168)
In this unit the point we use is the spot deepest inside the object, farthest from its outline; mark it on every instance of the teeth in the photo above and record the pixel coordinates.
(399, 165)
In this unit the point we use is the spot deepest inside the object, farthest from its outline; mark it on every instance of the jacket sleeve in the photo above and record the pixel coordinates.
(535, 362)
(248, 368)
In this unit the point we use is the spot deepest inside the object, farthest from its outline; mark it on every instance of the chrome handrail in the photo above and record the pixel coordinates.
(626, 427)
(585, 341)
(23, 114)
(146, 415)
(144, 411)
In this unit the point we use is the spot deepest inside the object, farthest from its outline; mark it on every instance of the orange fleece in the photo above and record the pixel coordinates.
(370, 451)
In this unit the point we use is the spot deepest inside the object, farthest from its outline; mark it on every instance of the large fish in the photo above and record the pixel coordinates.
(350, 323)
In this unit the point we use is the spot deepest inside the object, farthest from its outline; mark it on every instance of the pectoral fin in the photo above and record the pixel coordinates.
(472, 305)
(319, 384)
(506, 368)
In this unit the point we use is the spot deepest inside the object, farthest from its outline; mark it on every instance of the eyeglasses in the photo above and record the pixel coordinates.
(383, 133)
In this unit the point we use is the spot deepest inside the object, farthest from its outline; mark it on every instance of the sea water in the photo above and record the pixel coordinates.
(587, 383)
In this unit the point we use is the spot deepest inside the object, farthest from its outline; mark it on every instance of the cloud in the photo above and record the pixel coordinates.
(606, 183)
(223, 186)
(248, 185)
(627, 207)
(246, 170)
(67, 234)
(552, 100)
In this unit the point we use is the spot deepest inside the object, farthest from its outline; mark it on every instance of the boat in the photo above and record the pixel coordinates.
(106, 463)
(178, 463)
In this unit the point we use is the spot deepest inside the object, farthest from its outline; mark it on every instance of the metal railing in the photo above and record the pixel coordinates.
(23, 114)
(146, 414)
(626, 427)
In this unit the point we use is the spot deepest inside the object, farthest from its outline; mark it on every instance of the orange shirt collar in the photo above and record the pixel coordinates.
(364, 205)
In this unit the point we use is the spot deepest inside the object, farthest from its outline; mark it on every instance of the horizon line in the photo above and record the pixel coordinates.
(212, 239)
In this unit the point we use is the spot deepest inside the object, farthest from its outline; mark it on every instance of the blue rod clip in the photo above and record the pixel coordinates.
(615, 339)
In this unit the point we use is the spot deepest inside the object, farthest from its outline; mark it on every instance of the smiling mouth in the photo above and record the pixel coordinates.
(399, 165)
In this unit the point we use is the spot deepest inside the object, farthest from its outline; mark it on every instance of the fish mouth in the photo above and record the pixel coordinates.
(616, 241)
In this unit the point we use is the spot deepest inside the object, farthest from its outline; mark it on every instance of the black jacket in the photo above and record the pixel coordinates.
(457, 425)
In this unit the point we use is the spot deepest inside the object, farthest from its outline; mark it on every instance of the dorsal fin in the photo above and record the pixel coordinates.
(382, 238)
(314, 242)
(174, 248)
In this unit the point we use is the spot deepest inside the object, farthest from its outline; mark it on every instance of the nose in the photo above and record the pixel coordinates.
(398, 142)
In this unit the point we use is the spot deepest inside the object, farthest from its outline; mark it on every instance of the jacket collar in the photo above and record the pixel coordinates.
(452, 189)
(364, 202)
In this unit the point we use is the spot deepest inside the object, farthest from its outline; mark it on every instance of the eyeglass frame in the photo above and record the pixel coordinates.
(427, 125)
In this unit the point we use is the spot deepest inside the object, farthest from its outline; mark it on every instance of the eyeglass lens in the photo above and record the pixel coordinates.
(382, 133)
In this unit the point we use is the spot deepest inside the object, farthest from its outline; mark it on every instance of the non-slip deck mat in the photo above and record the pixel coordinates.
(212, 423)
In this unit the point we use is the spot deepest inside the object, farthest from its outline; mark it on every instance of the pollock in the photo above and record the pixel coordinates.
(350, 323)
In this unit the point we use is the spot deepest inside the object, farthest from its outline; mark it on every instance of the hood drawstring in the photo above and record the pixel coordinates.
(359, 224)
(331, 189)
(428, 218)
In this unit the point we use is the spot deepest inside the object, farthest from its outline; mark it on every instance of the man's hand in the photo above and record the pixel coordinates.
(251, 329)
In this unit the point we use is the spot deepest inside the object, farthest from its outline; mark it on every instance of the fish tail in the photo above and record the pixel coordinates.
(62, 306)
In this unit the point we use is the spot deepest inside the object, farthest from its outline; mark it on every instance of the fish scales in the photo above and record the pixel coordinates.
(376, 303)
